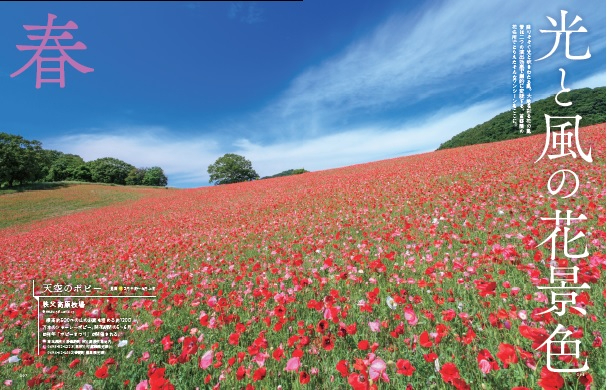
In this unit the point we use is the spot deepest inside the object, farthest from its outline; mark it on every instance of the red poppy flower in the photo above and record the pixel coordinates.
(233, 339)
(109, 361)
(101, 372)
(404, 367)
(424, 340)
(448, 315)
(155, 372)
(159, 382)
(598, 342)
(585, 379)
(280, 311)
(253, 350)
(189, 346)
(449, 372)
(538, 335)
(259, 374)
(469, 337)
(241, 372)
(545, 317)
(27, 359)
(363, 345)
(550, 380)
(342, 367)
(485, 288)
(507, 354)
(358, 381)
(172, 359)
(328, 342)
(178, 299)
(297, 353)
(460, 384)
(35, 381)
(351, 329)
(303, 341)
(278, 353)
(322, 326)
(304, 377)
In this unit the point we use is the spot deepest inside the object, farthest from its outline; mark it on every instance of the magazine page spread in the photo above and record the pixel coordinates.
(303, 194)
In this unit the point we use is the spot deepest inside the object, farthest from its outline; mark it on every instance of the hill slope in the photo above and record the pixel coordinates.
(432, 254)
(589, 103)
(56, 199)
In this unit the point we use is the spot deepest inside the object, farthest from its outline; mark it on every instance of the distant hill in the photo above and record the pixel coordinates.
(588, 103)
(288, 172)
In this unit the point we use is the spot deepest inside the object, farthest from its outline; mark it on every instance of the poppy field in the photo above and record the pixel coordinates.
(420, 272)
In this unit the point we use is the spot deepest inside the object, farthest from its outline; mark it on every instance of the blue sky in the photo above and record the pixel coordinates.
(314, 84)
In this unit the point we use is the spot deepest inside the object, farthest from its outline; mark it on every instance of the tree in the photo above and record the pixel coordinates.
(154, 177)
(82, 173)
(147, 177)
(20, 159)
(65, 167)
(231, 168)
(135, 177)
(49, 158)
(109, 170)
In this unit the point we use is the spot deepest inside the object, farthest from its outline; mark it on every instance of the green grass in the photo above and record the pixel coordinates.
(28, 203)
(32, 187)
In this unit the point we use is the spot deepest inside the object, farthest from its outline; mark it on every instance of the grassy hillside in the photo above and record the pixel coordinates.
(45, 200)
(589, 103)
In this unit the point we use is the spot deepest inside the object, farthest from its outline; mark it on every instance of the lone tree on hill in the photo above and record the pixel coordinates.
(231, 168)
(154, 176)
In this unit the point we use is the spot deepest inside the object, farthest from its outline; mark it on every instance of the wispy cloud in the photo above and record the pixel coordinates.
(249, 12)
(185, 161)
(364, 144)
(593, 81)
(447, 48)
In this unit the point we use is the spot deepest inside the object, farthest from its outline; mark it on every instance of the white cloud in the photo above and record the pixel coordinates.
(360, 145)
(185, 161)
(445, 48)
(593, 81)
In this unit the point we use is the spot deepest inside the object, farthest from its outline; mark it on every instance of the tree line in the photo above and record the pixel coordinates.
(588, 103)
(24, 161)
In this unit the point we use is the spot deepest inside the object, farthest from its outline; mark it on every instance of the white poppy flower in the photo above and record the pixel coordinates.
(13, 359)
